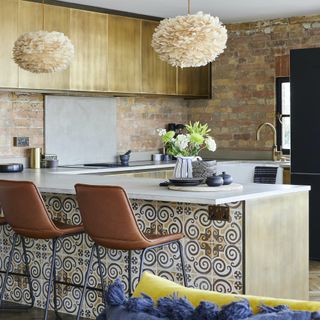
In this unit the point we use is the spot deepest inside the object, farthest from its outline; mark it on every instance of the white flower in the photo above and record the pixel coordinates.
(182, 141)
(210, 144)
(161, 132)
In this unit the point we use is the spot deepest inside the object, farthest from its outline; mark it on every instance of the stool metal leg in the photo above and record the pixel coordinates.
(183, 267)
(85, 282)
(52, 269)
(142, 256)
(55, 303)
(129, 274)
(100, 271)
(144, 251)
(26, 262)
(9, 265)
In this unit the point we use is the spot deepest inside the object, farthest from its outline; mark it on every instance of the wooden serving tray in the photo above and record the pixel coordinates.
(205, 188)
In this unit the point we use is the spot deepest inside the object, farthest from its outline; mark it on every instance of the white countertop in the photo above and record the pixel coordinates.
(147, 189)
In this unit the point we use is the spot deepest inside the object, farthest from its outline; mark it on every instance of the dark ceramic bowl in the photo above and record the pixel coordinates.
(227, 178)
(214, 181)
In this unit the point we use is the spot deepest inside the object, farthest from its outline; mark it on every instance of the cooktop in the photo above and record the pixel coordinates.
(101, 165)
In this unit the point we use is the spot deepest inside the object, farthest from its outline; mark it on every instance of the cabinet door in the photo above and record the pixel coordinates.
(157, 76)
(30, 20)
(88, 32)
(8, 27)
(194, 81)
(305, 110)
(124, 54)
(55, 19)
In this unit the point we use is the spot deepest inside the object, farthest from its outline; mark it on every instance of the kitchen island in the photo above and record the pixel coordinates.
(253, 241)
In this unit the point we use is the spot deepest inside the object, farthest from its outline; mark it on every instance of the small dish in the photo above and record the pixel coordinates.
(186, 182)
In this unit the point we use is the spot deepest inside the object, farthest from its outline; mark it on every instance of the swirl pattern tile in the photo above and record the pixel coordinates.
(213, 253)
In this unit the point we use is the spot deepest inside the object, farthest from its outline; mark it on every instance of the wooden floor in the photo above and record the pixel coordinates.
(37, 314)
(314, 280)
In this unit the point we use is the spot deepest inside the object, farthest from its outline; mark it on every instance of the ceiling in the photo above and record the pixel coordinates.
(227, 10)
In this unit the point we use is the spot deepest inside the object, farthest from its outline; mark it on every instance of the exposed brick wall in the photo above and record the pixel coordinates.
(138, 119)
(244, 79)
(20, 115)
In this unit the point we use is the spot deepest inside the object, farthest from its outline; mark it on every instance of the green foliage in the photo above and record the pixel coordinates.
(191, 143)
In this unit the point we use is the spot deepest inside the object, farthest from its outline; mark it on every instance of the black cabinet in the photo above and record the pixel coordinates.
(305, 133)
(305, 110)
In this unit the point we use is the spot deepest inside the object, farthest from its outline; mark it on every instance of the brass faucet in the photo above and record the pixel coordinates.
(275, 153)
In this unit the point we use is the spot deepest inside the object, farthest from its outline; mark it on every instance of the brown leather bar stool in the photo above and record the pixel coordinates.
(26, 213)
(109, 220)
(3, 222)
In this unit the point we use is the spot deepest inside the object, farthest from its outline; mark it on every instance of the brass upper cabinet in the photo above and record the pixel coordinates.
(124, 54)
(157, 76)
(55, 19)
(88, 32)
(113, 54)
(8, 29)
(194, 81)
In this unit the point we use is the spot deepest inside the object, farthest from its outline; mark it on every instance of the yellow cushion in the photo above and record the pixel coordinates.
(157, 287)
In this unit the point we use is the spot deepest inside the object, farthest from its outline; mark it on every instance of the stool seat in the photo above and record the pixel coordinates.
(156, 239)
(148, 240)
(2, 221)
(66, 229)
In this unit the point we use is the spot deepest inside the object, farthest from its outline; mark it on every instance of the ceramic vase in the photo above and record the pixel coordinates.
(183, 168)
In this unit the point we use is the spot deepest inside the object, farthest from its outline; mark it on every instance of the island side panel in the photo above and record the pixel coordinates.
(277, 246)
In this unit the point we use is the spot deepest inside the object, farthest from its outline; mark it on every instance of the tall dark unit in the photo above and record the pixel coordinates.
(305, 133)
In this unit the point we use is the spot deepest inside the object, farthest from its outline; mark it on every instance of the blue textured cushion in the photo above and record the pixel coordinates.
(177, 308)
(121, 313)
(283, 315)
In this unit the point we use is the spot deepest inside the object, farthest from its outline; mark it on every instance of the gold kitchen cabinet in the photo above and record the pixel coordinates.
(124, 54)
(158, 77)
(55, 19)
(113, 54)
(9, 33)
(194, 81)
(88, 32)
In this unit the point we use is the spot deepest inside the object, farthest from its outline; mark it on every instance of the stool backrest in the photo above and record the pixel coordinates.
(108, 218)
(25, 211)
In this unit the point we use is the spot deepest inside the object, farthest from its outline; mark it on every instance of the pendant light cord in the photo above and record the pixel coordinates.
(43, 15)
(189, 6)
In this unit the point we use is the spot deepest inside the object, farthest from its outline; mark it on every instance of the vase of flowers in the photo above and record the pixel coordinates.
(186, 146)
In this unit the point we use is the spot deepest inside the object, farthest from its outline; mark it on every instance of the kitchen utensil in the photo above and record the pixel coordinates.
(227, 178)
(51, 163)
(164, 184)
(35, 158)
(171, 127)
(186, 182)
(124, 158)
(11, 167)
(166, 157)
(214, 181)
(156, 157)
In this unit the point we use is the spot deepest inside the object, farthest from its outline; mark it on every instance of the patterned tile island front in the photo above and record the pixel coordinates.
(252, 250)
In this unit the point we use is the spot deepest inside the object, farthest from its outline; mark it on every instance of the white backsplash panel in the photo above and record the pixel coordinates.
(80, 129)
